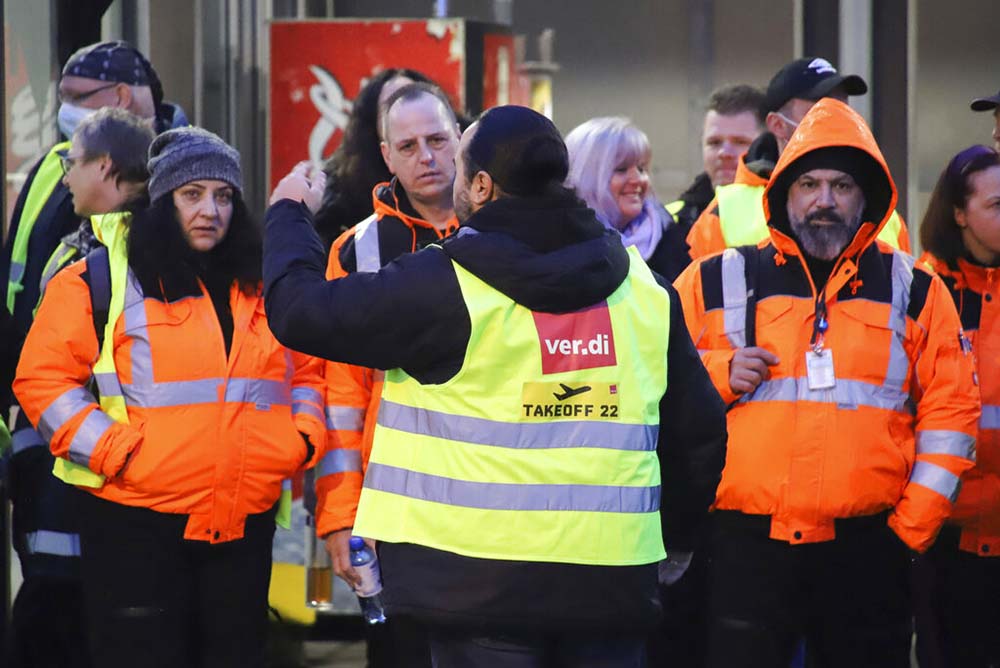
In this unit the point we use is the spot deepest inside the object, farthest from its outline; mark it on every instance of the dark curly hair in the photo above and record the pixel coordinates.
(357, 165)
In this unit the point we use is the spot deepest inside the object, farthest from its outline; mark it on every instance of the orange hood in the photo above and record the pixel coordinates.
(831, 123)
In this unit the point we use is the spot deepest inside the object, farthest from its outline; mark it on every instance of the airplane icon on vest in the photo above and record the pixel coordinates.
(570, 392)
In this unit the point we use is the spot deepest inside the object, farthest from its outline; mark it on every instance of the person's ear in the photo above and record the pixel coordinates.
(124, 93)
(483, 190)
(960, 218)
(775, 124)
(105, 165)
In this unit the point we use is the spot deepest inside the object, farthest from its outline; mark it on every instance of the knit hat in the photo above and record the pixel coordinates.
(188, 154)
(520, 149)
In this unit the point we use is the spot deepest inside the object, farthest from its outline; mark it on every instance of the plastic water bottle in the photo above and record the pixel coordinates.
(365, 563)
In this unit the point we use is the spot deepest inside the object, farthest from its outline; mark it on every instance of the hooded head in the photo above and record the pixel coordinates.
(832, 138)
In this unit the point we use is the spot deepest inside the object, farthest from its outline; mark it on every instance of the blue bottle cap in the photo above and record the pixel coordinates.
(356, 543)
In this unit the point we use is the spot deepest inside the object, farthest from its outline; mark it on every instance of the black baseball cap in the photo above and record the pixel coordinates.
(809, 79)
(986, 103)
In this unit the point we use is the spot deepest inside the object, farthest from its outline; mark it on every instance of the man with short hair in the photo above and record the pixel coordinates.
(420, 138)
(545, 423)
(46, 624)
(991, 103)
(853, 411)
(736, 216)
(733, 120)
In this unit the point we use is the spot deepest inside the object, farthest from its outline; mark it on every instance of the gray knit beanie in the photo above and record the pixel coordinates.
(188, 154)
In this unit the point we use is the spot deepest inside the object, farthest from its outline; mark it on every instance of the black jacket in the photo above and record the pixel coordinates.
(549, 255)
(672, 256)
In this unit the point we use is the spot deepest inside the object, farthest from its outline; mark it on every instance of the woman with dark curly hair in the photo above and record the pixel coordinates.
(357, 164)
(202, 415)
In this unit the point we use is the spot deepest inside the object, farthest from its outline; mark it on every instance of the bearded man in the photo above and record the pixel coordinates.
(852, 411)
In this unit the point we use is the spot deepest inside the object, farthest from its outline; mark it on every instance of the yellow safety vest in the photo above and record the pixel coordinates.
(741, 217)
(46, 179)
(674, 208)
(111, 231)
(542, 447)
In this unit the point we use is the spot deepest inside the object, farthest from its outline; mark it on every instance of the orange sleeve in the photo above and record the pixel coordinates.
(308, 402)
(716, 361)
(348, 393)
(948, 408)
(55, 368)
(705, 236)
(341, 471)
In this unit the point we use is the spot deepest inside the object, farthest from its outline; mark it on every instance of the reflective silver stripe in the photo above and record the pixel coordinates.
(93, 427)
(846, 394)
(206, 391)
(22, 439)
(108, 385)
(529, 435)
(366, 252)
(942, 442)
(734, 297)
(307, 408)
(62, 410)
(902, 281)
(340, 461)
(307, 394)
(506, 496)
(936, 478)
(175, 393)
(16, 272)
(990, 419)
(345, 418)
(258, 391)
(286, 485)
(135, 326)
(53, 542)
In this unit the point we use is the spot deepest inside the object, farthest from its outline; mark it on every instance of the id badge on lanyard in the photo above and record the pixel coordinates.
(819, 360)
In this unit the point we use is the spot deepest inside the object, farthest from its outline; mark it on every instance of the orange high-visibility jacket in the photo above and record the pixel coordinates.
(353, 393)
(976, 293)
(706, 236)
(208, 436)
(897, 430)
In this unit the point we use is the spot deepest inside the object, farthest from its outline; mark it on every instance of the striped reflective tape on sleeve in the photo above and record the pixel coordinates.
(93, 427)
(944, 442)
(63, 409)
(937, 479)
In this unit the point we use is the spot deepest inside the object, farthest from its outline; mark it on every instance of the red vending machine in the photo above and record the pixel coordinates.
(318, 68)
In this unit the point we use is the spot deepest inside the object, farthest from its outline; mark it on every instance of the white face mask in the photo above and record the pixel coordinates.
(70, 116)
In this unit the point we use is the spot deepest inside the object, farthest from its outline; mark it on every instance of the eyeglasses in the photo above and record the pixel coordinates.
(73, 99)
(67, 162)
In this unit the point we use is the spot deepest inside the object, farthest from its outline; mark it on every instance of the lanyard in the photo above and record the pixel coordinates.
(820, 324)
